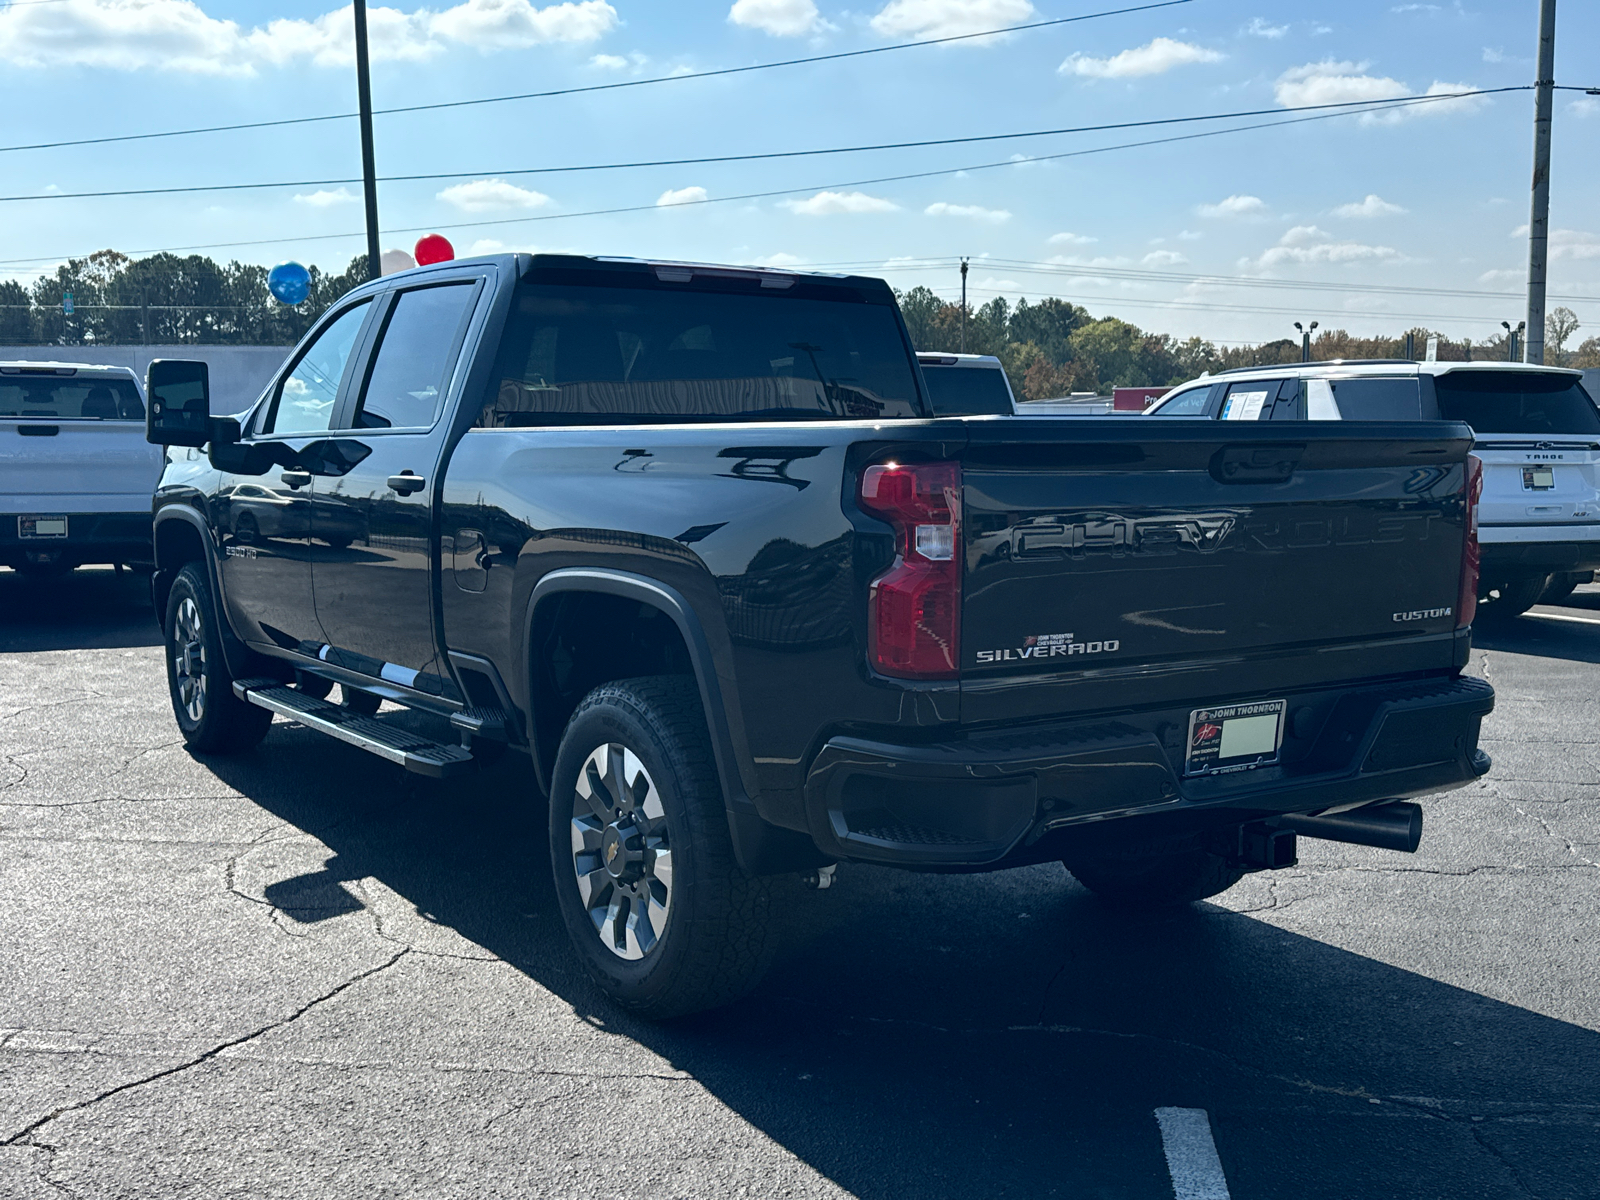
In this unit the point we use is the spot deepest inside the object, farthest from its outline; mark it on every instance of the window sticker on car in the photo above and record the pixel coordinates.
(1244, 406)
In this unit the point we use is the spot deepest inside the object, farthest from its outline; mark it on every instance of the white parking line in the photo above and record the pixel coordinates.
(1191, 1154)
(1564, 617)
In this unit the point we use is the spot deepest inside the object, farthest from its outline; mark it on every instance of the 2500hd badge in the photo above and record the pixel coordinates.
(1048, 645)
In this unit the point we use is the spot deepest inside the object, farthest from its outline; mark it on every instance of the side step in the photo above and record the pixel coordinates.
(419, 754)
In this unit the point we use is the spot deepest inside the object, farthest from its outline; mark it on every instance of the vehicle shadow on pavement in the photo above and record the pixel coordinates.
(1545, 638)
(1006, 1034)
(86, 609)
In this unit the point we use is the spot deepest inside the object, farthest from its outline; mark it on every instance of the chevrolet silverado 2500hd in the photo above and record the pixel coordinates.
(692, 539)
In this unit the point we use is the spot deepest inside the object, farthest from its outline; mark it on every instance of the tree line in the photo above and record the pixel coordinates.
(1050, 348)
(1053, 348)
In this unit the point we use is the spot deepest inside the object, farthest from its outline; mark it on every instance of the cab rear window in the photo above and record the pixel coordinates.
(56, 399)
(1517, 402)
(967, 391)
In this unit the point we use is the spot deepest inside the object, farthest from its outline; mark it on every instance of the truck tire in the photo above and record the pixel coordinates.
(211, 718)
(1151, 877)
(656, 905)
(1562, 584)
(1509, 600)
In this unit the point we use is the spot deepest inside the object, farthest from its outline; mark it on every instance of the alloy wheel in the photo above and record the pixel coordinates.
(620, 852)
(189, 659)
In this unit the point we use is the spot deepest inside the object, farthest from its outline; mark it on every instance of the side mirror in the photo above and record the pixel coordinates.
(179, 410)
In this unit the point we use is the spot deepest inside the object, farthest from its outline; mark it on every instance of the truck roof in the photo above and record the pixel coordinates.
(50, 367)
(1382, 366)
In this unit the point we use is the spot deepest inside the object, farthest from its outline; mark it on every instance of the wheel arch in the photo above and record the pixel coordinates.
(180, 537)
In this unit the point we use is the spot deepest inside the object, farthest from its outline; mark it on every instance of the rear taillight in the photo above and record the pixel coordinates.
(914, 617)
(1467, 603)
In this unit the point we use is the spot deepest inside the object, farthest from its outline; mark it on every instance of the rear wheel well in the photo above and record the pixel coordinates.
(580, 640)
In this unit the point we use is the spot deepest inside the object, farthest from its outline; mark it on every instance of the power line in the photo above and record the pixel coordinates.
(1353, 105)
(597, 87)
(764, 195)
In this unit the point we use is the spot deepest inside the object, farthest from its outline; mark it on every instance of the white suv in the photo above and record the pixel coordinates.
(1538, 434)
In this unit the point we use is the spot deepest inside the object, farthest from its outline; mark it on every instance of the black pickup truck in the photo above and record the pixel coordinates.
(691, 539)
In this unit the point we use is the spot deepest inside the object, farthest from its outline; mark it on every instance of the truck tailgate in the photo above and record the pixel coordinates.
(77, 466)
(1117, 563)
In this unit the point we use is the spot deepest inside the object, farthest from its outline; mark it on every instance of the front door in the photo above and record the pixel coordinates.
(373, 524)
(262, 512)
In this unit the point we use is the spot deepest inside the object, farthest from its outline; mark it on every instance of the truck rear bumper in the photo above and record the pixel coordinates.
(101, 537)
(1539, 550)
(996, 799)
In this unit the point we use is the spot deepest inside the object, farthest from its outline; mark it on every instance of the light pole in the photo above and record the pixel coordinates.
(1539, 218)
(1512, 337)
(1305, 341)
(369, 171)
(963, 306)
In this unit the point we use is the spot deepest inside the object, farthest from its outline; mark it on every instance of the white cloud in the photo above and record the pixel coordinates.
(491, 195)
(1330, 82)
(1372, 206)
(780, 259)
(948, 18)
(994, 216)
(1158, 56)
(1491, 55)
(780, 18)
(1308, 244)
(322, 198)
(1163, 258)
(1573, 243)
(827, 204)
(1585, 106)
(1071, 239)
(609, 62)
(1235, 206)
(1259, 28)
(688, 195)
(1509, 275)
(1189, 235)
(178, 35)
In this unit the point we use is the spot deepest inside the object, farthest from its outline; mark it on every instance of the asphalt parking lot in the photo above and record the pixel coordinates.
(300, 974)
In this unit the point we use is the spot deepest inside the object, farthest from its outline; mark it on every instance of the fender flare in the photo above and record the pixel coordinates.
(761, 848)
(240, 659)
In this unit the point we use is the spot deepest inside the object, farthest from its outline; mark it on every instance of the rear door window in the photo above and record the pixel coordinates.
(411, 372)
(967, 391)
(1257, 399)
(1517, 402)
(87, 399)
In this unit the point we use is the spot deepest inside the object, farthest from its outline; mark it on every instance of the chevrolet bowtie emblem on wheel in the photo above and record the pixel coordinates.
(611, 852)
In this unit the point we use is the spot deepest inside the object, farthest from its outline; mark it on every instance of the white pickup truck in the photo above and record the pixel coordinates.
(76, 474)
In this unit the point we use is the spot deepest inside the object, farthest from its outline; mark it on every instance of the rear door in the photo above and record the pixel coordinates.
(372, 521)
(1539, 439)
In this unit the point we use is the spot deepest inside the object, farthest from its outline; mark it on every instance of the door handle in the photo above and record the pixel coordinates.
(407, 482)
(296, 479)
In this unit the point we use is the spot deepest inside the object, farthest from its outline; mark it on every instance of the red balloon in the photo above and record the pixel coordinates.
(433, 249)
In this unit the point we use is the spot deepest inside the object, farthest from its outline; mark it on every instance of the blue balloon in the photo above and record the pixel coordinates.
(289, 282)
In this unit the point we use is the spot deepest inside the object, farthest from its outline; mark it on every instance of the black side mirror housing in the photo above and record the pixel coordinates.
(179, 408)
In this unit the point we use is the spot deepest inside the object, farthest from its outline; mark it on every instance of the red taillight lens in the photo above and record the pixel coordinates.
(914, 613)
(1467, 603)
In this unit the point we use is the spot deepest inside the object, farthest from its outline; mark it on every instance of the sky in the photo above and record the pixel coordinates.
(1232, 237)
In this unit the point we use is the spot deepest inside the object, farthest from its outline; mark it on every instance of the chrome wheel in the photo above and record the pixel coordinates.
(189, 659)
(620, 853)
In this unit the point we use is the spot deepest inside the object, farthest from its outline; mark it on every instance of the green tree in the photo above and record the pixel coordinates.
(1048, 325)
(1559, 325)
(919, 307)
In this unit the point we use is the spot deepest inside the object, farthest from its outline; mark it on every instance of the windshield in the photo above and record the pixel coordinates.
(576, 354)
(90, 398)
(1517, 402)
(967, 391)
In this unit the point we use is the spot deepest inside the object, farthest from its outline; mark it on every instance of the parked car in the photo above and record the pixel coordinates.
(1537, 434)
(76, 473)
(691, 539)
(966, 385)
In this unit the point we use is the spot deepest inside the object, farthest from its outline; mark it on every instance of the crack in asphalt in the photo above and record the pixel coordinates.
(1567, 843)
(24, 1136)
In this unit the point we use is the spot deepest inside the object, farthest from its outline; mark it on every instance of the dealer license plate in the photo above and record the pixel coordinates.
(41, 527)
(1234, 738)
(1538, 479)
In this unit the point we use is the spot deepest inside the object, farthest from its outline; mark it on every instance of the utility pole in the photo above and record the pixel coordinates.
(1539, 218)
(1305, 341)
(963, 306)
(369, 170)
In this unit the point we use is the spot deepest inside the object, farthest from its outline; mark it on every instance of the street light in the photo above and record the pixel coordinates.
(1305, 341)
(1513, 336)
